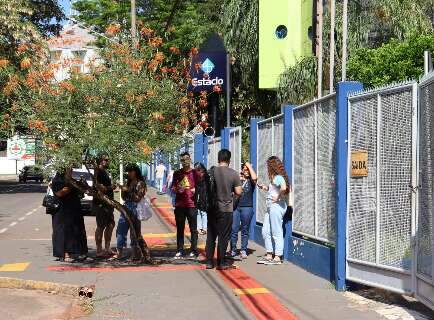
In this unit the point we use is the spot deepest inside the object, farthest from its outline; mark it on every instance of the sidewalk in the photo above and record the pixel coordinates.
(305, 295)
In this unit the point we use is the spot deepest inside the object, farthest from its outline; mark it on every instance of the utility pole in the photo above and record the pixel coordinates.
(344, 39)
(332, 44)
(133, 24)
(319, 45)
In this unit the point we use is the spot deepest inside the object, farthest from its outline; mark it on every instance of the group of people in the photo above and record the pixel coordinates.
(219, 203)
(69, 233)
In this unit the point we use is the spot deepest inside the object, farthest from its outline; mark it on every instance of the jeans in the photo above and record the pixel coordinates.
(202, 221)
(244, 216)
(219, 225)
(159, 182)
(272, 229)
(191, 215)
(123, 227)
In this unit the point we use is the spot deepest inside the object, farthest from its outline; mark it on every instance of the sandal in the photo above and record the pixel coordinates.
(69, 260)
(264, 260)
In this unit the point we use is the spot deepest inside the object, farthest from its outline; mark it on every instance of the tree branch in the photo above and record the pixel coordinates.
(172, 15)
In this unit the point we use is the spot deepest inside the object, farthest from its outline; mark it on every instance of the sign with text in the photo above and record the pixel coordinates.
(207, 70)
(359, 164)
(19, 148)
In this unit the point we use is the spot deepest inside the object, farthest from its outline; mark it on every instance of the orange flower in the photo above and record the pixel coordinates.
(22, 48)
(11, 86)
(3, 63)
(194, 51)
(184, 101)
(157, 116)
(159, 56)
(25, 63)
(6, 117)
(203, 103)
(113, 29)
(68, 86)
(150, 93)
(174, 50)
(203, 94)
(142, 145)
(38, 105)
(197, 66)
(164, 70)
(130, 96)
(155, 42)
(168, 128)
(191, 94)
(184, 121)
(146, 32)
(153, 64)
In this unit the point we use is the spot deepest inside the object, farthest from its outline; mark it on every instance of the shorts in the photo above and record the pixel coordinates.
(104, 215)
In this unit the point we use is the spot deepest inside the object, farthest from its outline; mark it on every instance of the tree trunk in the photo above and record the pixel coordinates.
(85, 188)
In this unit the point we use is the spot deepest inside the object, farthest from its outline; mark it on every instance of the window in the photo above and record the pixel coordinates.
(3, 148)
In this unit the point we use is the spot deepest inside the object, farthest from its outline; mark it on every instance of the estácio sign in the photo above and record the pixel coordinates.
(207, 70)
(359, 164)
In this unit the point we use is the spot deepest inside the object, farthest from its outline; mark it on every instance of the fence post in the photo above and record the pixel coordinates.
(226, 132)
(254, 162)
(198, 148)
(288, 111)
(343, 89)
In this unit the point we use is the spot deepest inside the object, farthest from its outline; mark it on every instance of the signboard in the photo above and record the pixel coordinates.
(207, 70)
(19, 148)
(359, 164)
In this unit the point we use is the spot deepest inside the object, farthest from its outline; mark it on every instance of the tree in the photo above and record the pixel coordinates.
(46, 16)
(132, 104)
(392, 62)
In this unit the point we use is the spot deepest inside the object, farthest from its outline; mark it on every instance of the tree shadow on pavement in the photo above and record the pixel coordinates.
(14, 187)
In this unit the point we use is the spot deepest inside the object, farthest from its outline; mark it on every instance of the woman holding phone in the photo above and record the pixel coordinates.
(243, 210)
(277, 193)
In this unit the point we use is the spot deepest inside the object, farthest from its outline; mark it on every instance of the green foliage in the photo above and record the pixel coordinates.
(46, 16)
(192, 21)
(298, 84)
(395, 61)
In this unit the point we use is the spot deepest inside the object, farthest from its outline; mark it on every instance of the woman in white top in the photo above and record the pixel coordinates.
(272, 229)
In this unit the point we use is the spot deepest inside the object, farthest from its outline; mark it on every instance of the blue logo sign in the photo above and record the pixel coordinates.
(207, 66)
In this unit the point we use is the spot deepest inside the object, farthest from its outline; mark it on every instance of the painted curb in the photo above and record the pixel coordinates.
(58, 288)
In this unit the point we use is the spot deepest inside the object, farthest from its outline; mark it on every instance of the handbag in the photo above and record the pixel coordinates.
(51, 203)
(143, 210)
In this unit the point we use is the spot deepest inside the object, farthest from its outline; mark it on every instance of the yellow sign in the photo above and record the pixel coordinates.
(359, 164)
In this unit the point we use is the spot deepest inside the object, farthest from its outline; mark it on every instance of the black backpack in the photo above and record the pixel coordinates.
(212, 190)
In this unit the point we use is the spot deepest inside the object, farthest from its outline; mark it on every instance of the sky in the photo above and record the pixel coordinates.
(65, 5)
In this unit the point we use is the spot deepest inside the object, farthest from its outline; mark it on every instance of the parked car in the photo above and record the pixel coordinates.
(86, 201)
(34, 173)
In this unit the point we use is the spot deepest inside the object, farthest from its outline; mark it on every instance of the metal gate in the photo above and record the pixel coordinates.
(214, 146)
(270, 143)
(424, 277)
(235, 141)
(314, 169)
(381, 205)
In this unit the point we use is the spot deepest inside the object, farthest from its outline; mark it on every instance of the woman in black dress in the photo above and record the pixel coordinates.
(69, 233)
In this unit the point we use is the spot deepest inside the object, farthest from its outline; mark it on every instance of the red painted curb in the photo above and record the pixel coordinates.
(124, 269)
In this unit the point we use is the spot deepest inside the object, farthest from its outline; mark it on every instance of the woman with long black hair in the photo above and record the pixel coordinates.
(132, 193)
(272, 229)
(69, 233)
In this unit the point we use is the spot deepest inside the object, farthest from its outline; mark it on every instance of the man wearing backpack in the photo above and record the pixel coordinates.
(225, 183)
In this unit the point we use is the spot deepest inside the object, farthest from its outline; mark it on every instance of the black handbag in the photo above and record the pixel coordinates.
(51, 203)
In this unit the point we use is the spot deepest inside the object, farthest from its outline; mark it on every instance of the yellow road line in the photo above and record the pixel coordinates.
(250, 291)
(14, 267)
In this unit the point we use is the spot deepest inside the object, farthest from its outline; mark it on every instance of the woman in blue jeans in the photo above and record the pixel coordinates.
(277, 193)
(132, 193)
(243, 212)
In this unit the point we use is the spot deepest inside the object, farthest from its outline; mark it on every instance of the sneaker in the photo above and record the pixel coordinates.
(233, 254)
(273, 262)
(263, 260)
(243, 254)
(210, 264)
(193, 255)
(178, 255)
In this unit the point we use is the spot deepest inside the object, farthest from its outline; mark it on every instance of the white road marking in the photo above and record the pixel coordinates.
(12, 224)
(21, 219)
(3, 230)
(29, 213)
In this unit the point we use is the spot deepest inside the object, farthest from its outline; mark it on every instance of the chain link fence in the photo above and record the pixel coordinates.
(235, 145)
(380, 208)
(214, 146)
(270, 143)
(314, 166)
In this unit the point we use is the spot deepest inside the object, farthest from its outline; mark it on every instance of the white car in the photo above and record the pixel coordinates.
(86, 201)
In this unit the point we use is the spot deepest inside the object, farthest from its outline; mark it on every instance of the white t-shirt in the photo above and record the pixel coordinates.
(159, 171)
(274, 189)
